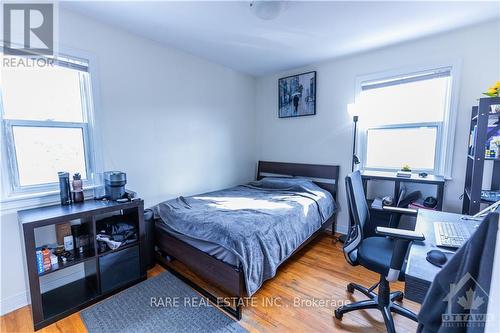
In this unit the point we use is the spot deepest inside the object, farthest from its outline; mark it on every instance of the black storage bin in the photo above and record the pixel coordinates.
(119, 268)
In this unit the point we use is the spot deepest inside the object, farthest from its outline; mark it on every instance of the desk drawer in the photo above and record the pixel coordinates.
(416, 289)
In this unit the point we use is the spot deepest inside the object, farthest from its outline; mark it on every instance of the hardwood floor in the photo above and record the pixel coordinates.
(318, 272)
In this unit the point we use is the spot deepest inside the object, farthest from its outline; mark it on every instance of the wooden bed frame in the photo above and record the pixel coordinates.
(225, 276)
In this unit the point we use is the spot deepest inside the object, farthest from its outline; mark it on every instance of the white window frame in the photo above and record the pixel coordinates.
(446, 129)
(13, 195)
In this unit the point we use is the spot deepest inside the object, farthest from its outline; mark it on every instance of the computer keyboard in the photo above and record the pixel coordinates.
(450, 234)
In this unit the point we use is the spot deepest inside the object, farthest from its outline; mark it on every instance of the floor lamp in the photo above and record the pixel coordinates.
(354, 112)
(351, 108)
(355, 159)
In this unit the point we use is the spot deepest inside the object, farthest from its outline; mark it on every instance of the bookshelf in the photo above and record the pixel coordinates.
(484, 126)
(103, 274)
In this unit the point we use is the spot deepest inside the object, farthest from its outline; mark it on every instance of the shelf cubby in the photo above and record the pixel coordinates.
(78, 259)
(69, 297)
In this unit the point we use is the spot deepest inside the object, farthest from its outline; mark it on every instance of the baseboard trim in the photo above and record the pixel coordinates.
(13, 302)
(341, 229)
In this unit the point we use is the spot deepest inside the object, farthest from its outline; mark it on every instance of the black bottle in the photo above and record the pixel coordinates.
(64, 189)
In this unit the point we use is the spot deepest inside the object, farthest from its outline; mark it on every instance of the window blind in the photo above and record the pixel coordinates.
(71, 62)
(62, 60)
(442, 72)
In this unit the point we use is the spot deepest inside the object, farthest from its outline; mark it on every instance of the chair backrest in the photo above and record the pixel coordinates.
(359, 213)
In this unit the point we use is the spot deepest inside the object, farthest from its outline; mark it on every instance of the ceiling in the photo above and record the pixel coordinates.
(229, 33)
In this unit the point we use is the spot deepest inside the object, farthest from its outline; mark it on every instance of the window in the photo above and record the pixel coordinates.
(383, 153)
(406, 121)
(46, 118)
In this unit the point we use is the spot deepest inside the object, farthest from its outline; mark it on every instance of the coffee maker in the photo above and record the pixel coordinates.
(114, 185)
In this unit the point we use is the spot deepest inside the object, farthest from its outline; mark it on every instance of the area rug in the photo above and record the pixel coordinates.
(160, 304)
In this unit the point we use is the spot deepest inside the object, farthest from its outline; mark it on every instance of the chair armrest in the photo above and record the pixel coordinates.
(399, 210)
(400, 233)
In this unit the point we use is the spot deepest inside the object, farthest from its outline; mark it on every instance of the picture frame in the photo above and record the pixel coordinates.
(297, 95)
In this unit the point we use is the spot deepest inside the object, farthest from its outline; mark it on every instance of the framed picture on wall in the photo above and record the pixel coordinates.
(297, 95)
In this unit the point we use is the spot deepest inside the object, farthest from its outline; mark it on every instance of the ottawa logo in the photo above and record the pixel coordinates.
(467, 304)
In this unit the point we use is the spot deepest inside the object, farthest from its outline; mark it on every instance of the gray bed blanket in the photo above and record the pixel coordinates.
(262, 223)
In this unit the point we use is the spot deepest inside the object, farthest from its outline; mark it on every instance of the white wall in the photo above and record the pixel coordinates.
(175, 123)
(327, 137)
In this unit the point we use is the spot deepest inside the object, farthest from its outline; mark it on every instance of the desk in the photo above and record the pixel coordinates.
(419, 272)
(391, 176)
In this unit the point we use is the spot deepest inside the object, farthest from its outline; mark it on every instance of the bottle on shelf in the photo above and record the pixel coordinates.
(77, 184)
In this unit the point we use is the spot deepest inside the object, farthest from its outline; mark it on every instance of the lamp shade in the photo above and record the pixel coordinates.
(353, 109)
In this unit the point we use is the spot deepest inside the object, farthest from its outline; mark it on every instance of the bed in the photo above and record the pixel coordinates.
(237, 238)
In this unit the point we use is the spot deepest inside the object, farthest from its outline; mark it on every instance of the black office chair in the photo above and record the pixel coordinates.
(384, 254)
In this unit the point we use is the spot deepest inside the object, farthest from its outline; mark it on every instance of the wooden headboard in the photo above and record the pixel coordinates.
(325, 176)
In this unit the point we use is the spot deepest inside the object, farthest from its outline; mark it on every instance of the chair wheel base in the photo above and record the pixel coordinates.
(384, 302)
(397, 296)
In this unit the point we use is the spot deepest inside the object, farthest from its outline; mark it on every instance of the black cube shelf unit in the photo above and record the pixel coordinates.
(484, 124)
(104, 273)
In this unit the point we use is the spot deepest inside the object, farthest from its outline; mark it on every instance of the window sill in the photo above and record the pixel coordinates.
(414, 172)
(34, 200)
